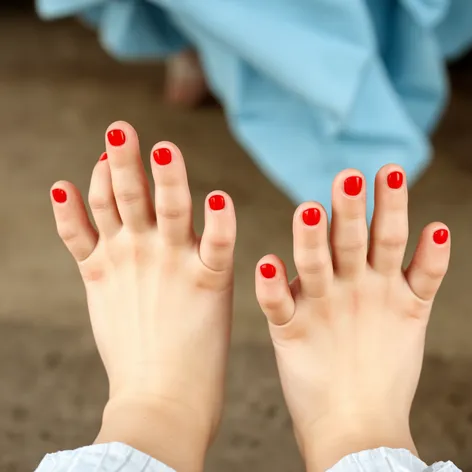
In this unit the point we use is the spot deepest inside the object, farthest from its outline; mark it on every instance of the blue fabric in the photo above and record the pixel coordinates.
(309, 87)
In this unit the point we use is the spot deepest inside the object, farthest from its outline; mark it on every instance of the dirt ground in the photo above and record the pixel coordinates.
(58, 92)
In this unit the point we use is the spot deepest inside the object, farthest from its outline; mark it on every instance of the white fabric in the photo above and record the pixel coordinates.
(115, 457)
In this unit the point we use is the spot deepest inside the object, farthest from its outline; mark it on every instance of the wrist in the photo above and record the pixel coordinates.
(157, 429)
(331, 444)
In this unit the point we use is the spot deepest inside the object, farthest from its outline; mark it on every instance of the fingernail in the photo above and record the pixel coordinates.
(268, 271)
(311, 216)
(103, 157)
(440, 236)
(162, 156)
(353, 185)
(59, 195)
(395, 180)
(216, 202)
(116, 137)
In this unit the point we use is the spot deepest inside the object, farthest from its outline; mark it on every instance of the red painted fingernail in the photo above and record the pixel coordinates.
(162, 156)
(103, 157)
(116, 137)
(59, 195)
(440, 236)
(395, 180)
(216, 202)
(311, 216)
(353, 185)
(268, 271)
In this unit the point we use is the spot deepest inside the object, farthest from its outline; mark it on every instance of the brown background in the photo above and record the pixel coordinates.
(58, 92)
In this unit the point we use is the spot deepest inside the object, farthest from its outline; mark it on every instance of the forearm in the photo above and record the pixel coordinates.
(344, 437)
(155, 430)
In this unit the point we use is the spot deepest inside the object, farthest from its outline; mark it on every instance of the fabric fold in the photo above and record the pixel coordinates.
(428, 13)
(52, 9)
(316, 50)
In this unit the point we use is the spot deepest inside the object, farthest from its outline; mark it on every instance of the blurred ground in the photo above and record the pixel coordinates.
(58, 92)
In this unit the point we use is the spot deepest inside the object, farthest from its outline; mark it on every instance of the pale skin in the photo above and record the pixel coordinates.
(160, 300)
(348, 332)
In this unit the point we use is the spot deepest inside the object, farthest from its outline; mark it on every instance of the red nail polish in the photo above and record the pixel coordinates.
(440, 236)
(311, 216)
(103, 157)
(395, 180)
(162, 156)
(353, 185)
(216, 202)
(59, 195)
(116, 137)
(268, 271)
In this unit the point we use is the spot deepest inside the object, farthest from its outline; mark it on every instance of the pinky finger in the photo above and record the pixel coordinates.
(73, 224)
(430, 261)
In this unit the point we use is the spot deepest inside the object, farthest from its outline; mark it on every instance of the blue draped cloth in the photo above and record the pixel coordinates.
(309, 87)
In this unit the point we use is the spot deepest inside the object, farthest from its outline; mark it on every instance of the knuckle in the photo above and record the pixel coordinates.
(128, 196)
(351, 246)
(272, 303)
(391, 241)
(210, 279)
(220, 242)
(311, 266)
(434, 273)
(171, 212)
(67, 234)
(354, 216)
(98, 203)
(420, 308)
